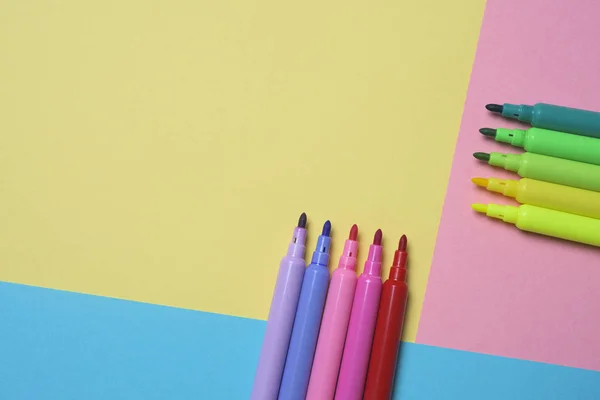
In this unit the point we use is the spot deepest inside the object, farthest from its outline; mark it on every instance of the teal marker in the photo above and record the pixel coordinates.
(549, 143)
(556, 118)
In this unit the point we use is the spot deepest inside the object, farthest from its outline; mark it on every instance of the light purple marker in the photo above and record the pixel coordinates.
(281, 318)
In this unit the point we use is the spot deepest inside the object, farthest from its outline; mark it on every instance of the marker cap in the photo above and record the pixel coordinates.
(518, 111)
(348, 258)
(297, 247)
(373, 263)
(516, 137)
(507, 187)
(510, 162)
(505, 213)
(321, 253)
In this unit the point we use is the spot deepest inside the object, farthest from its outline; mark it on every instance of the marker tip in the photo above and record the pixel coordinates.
(489, 132)
(353, 232)
(377, 238)
(497, 108)
(302, 221)
(480, 208)
(403, 243)
(482, 156)
(326, 228)
(480, 182)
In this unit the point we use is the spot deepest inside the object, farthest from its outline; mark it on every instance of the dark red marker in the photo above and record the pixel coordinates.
(390, 318)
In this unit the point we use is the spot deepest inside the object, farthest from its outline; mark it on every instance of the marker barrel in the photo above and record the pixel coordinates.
(549, 222)
(550, 169)
(280, 320)
(553, 144)
(386, 341)
(355, 359)
(330, 344)
(556, 118)
(549, 195)
(298, 363)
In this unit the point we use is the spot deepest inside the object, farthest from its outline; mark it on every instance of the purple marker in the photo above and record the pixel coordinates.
(298, 362)
(281, 318)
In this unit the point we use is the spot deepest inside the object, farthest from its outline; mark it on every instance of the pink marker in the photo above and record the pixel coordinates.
(357, 350)
(334, 325)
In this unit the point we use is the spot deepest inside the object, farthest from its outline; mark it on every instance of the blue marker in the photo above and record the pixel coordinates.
(554, 118)
(298, 363)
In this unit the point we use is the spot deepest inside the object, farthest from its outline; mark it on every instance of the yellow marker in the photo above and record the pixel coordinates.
(546, 222)
(547, 195)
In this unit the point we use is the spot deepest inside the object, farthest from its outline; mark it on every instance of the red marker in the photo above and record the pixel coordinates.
(390, 318)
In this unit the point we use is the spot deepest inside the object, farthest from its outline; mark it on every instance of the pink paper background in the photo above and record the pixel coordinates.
(492, 288)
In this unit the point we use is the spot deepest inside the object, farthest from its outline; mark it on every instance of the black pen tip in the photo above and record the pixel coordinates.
(488, 132)
(482, 156)
(302, 221)
(497, 108)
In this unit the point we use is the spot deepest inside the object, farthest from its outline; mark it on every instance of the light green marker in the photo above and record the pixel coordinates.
(550, 143)
(547, 169)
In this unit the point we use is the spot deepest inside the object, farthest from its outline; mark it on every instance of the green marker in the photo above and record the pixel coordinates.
(547, 169)
(550, 143)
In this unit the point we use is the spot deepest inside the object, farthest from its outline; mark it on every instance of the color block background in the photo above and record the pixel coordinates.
(161, 153)
(59, 345)
(494, 289)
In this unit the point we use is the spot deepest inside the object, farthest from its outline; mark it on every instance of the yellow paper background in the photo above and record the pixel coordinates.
(162, 151)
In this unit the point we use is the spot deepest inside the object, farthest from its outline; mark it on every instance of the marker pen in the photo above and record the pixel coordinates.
(546, 222)
(546, 195)
(556, 118)
(281, 318)
(547, 169)
(549, 143)
(388, 330)
(307, 322)
(355, 359)
(334, 326)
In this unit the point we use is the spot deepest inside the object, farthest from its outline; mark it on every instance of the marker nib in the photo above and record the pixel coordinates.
(302, 221)
(480, 182)
(482, 156)
(402, 244)
(326, 228)
(488, 132)
(497, 108)
(353, 232)
(377, 238)
(480, 208)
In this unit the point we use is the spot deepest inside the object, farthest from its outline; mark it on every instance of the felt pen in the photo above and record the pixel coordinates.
(546, 222)
(556, 118)
(355, 359)
(546, 195)
(334, 326)
(388, 330)
(281, 317)
(298, 363)
(547, 169)
(549, 143)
